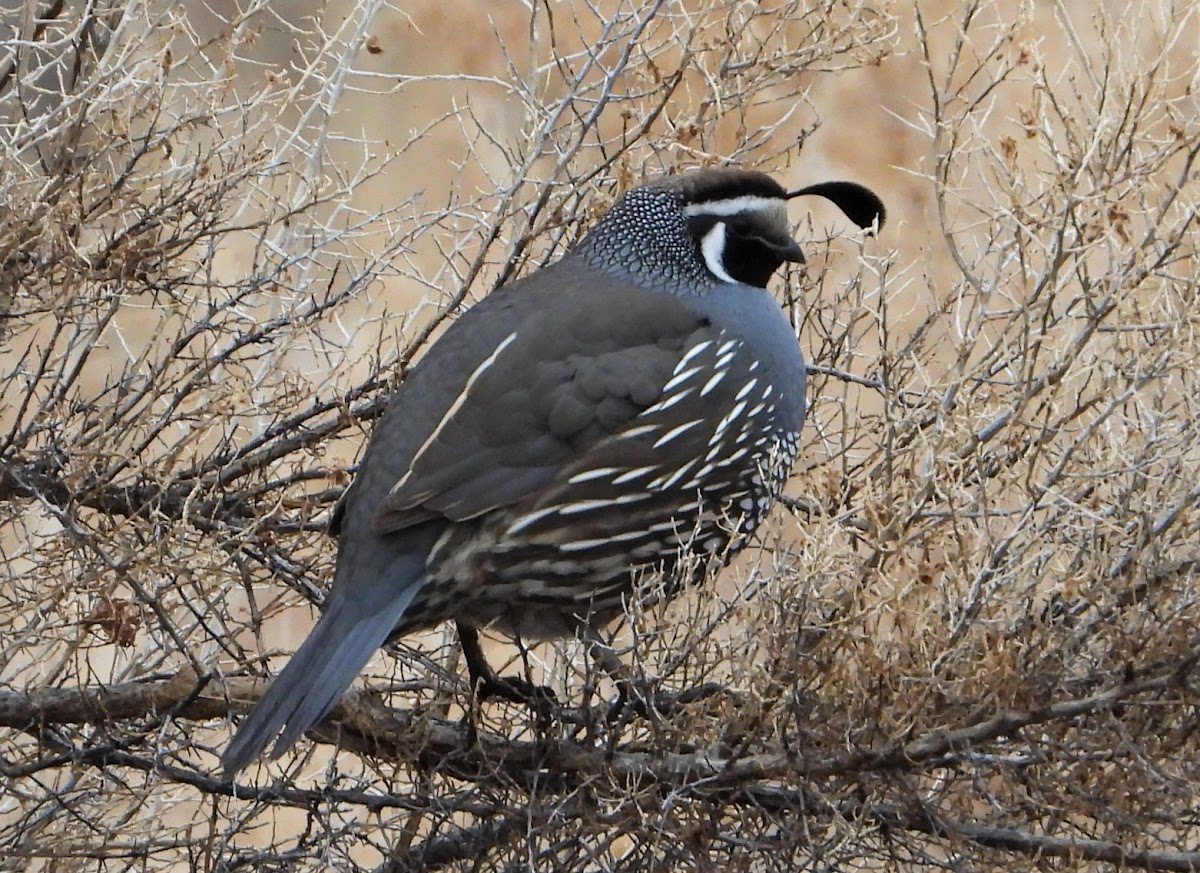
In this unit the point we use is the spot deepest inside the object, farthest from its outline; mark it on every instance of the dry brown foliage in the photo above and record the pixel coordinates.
(969, 642)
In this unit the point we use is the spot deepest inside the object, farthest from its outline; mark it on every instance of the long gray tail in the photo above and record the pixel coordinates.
(339, 646)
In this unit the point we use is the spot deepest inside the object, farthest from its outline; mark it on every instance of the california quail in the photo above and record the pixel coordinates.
(641, 397)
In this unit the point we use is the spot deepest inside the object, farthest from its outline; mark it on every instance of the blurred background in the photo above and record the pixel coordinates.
(968, 640)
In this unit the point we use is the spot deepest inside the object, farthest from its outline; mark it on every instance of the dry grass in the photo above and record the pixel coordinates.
(968, 642)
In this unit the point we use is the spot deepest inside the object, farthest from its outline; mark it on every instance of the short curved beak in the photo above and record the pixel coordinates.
(791, 251)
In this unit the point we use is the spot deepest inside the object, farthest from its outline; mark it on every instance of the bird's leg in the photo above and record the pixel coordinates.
(485, 683)
(632, 697)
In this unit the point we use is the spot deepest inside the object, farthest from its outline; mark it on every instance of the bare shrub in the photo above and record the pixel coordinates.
(970, 639)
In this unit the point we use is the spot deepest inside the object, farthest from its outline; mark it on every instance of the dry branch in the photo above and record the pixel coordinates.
(969, 640)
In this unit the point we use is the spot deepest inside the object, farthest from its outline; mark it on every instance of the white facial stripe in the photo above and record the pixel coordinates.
(734, 205)
(713, 247)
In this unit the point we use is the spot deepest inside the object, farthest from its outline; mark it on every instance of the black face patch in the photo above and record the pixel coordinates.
(752, 250)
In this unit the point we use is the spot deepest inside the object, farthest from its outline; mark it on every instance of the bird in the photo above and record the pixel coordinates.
(637, 401)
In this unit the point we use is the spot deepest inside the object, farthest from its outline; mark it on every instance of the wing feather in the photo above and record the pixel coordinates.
(552, 390)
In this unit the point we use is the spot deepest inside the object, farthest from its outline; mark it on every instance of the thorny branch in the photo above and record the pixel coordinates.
(969, 639)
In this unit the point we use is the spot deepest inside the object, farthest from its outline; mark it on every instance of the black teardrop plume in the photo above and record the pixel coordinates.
(860, 204)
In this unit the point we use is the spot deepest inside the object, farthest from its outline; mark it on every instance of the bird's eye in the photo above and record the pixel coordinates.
(739, 226)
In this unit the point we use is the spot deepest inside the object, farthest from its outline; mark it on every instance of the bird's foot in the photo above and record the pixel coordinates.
(485, 684)
(540, 699)
(636, 700)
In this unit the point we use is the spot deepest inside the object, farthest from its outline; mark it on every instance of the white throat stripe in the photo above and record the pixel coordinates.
(713, 247)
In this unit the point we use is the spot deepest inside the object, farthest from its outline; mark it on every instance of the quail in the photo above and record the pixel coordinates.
(639, 399)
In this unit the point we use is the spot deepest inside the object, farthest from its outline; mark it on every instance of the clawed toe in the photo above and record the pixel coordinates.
(634, 700)
(539, 698)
